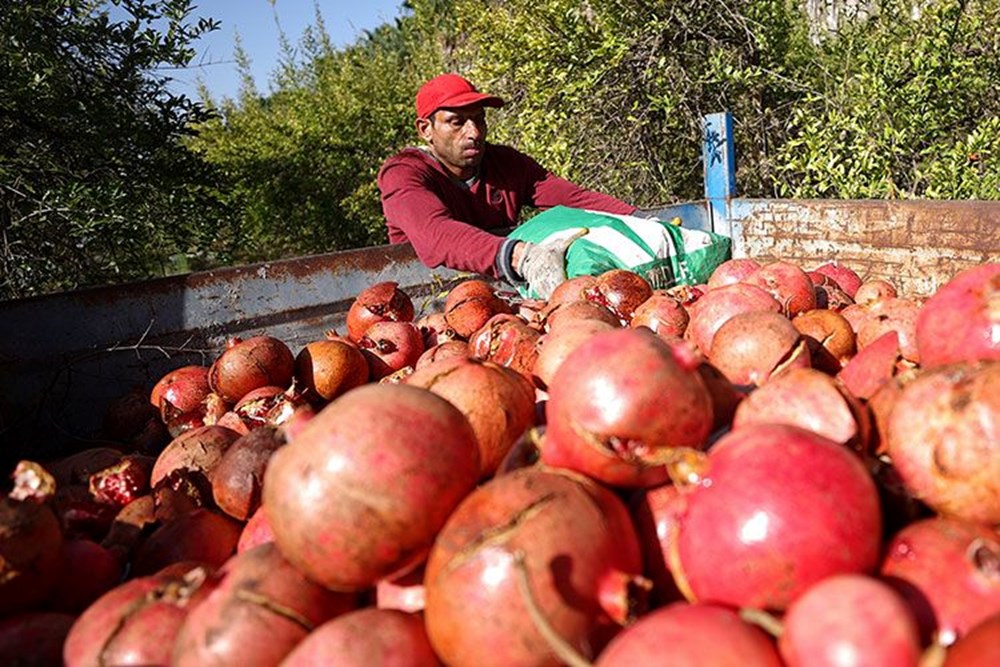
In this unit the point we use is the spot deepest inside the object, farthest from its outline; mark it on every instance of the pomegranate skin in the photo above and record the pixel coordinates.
(661, 314)
(30, 554)
(619, 397)
(872, 366)
(256, 531)
(391, 346)
(979, 648)
(778, 509)
(845, 277)
(752, 348)
(580, 556)
(33, 639)
(788, 284)
(249, 364)
(949, 573)
(328, 368)
(850, 620)
(469, 305)
(380, 302)
(691, 635)
(943, 436)
(961, 321)
(713, 309)
(383, 637)
(732, 271)
(361, 493)
(874, 290)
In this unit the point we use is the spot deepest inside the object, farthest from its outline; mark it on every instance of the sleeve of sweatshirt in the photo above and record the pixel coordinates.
(411, 205)
(549, 190)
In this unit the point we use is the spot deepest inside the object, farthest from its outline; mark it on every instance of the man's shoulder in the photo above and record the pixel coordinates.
(411, 157)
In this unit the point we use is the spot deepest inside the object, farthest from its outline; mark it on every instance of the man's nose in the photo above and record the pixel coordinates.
(472, 129)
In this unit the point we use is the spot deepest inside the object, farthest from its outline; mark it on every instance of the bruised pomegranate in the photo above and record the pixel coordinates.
(829, 296)
(199, 451)
(442, 351)
(239, 475)
(872, 366)
(732, 271)
(774, 510)
(944, 438)
(508, 341)
(360, 494)
(378, 303)
(390, 347)
(181, 392)
(949, 573)
(788, 284)
(850, 615)
(435, 329)
(564, 538)
(892, 314)
(248, 364)
(261, 608)
(498, 402)
(573, 289)
(568, 314)
(366, 637)
(620, 401)
(619, 291)
(267, 406)
(961, 321)
(717, 306)
(829, 337)
(123, 482)
(691, 635)
(752, 348)
(200, 535)
(469, 305)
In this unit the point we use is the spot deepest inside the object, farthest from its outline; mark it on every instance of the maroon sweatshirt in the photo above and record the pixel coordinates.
(445, 220)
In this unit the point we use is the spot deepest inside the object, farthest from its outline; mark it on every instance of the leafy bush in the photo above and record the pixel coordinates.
(95, 185)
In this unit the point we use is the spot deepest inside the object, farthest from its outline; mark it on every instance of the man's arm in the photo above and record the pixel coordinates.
(437, 237)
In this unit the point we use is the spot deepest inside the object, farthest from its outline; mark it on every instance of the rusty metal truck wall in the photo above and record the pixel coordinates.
(64, 357)
(918, 245)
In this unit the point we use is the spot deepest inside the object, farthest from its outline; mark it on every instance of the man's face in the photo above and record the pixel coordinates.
(457, 137)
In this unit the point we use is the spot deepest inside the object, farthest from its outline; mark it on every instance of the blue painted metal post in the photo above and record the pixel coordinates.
(719, 160)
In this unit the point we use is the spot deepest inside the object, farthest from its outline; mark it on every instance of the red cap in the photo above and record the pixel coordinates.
(450, 91)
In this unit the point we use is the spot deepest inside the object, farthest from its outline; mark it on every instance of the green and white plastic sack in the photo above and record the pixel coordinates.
(663, 253)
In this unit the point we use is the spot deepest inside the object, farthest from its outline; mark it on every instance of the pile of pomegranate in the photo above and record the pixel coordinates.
(784, 466)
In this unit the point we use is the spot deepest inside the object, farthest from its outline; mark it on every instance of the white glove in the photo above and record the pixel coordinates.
(543, 265)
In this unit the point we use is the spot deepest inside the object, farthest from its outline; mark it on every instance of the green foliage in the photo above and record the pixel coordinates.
(94, 184)
(902, 108)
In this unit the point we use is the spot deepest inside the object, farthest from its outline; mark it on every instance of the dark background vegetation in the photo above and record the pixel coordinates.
(105, 176)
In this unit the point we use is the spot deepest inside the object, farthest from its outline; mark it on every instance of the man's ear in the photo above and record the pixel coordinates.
(424, 128)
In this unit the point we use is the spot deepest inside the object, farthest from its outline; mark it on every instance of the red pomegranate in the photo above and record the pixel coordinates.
(872, 366)
(248, 364)
(621, 401)
(391, 346)
(200, 535)
(944, 438)
(568, 314)
(508, 341)
(328, 368)
(378, 303)
(360, 494)
(961, 321)
(828, 293)
(874, 290)
(384, 637)
(30, 554)
(620, 291)
(553, 542)
(850, 615)
(949, 573)
(732, 271)
(74, 593)
(892, 314)
(775, 509)
(555, 346)
(435, 330)
(655, 513)
(752, 348)
(498, 402)
(256, 531)
(717, 306)
(661, 314)
(181, 391)
(239, 475)
(979, 648)
(573, 289)
(788, 284)
(469, 305)
(136, 622)
(846, 278)
(260, 610)
(442, 351)
(829, 337)
(812, 400)
(33, 638)
(199, 451)
(691, 635)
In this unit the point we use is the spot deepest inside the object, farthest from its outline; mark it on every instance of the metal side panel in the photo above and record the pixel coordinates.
(917, 245)
(65, 357)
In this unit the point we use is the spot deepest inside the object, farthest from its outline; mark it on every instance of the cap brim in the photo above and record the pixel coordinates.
(470, 99)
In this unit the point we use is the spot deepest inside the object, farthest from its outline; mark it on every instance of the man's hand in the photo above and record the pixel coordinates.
(543, 265)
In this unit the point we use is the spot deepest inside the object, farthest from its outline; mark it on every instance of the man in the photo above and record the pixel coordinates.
(444, 196)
